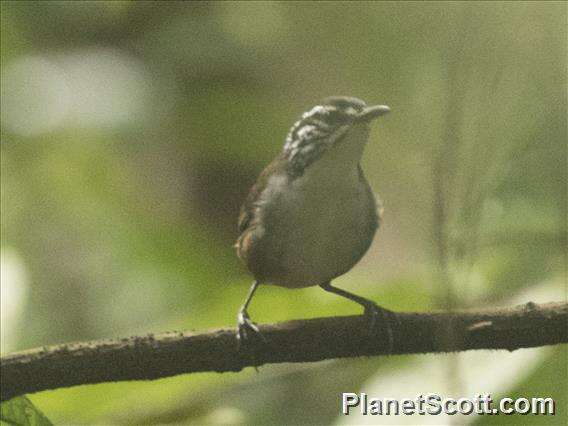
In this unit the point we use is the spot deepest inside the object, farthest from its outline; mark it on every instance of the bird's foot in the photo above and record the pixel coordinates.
(246, 328)
(373, 312)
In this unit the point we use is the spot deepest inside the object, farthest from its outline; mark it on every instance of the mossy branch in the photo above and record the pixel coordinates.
(156, 356)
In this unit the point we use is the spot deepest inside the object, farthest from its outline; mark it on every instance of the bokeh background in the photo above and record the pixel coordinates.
(132, 131)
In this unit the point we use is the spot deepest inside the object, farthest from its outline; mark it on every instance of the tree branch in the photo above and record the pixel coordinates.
(152, 357)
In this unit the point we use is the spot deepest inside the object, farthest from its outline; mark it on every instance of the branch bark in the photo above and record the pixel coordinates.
(156, 356)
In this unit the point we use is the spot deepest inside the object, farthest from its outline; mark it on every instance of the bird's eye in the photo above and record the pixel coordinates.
(337, 117)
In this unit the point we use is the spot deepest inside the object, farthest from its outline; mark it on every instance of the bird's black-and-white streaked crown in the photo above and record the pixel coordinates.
(322, 126)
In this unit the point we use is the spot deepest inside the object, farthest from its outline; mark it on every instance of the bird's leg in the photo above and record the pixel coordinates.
(244, 323)
(372, 310)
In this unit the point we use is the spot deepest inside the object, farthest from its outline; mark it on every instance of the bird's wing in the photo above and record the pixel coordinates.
(248, 209)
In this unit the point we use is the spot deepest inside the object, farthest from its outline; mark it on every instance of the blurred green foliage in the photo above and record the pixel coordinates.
(131, 132)
(20, 411)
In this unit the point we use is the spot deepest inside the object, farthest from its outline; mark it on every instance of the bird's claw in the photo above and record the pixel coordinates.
(373, 311)
(246, 328)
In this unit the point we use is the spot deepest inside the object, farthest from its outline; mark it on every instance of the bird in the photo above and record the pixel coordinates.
(311, 215)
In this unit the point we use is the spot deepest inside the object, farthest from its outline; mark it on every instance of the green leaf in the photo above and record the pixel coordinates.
(21, 412)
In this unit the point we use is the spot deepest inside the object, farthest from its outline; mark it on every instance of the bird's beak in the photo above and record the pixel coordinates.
(371, 112)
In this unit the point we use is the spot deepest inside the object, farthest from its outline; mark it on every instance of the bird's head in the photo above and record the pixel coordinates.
(339, 121)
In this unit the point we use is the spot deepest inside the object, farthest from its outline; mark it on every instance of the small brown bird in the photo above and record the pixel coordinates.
(311, 215)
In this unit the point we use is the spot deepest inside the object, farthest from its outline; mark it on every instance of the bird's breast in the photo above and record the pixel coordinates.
(315, 227)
